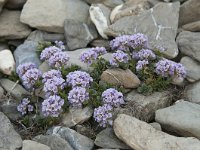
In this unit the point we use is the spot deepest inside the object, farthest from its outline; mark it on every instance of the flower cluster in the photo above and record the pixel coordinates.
(60, 44)
(79, 78)
(52, 106)
(103, 115)
(25, 106)
(168, 68)
(77, 96)
(119, 57)
(144, 54)
(50, 74)
(48, 52)
(128, 42)
(21, 69)
(141, 64)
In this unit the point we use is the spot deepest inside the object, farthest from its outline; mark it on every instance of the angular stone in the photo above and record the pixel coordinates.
(192, 93)
(10, 139)
(15, 4)
(86, 131)
(10, 26)
(108, 139)
(32, 145)
(192, 68)
(141, 136)
(144, 107)
(100, 16)
(26, 52)
(159, 24)
(76, 140)
(78, 34)
(1, 93)
(2, 3)
(182, 118)
(54, 10)
(194, 26)
(156, 125)
(189, 43)
(101, 43)
(53, 141)
(120, 77)
(16, 90)
(108, 3)
(76, 116)
(7, 62)
(44, 67)
(189, 12)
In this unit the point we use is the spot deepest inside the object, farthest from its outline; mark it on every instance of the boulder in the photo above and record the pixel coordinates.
(15, 4)
(141, 136)
(192, 93)
(156, 125)
(2, 3)
(101, 43)
(32, 145)
(108, 3)
(86, 130)
(194, 26)
(51, 17)
(1, 93)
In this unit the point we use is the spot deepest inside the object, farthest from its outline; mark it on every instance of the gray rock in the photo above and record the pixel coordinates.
(32, 145)
(76, 116)
(1, 93)
(78, 34)
(189, 43)
(86, 131)
(107, 149)
(101, 43)
(26, 52)
(108, 3)
(2, 3)
(192, 93)
(144, 107)
(174, 1)
(192, 68)
(108, 139)
(182, 118)
(120, 77)
(76, 140)
(3, 46)
(11, 27)
(156, 125)
(154, 2)
(189, 12)
(53, 141)
(141, 136)
(194, 26)
(44, 67)
(159, 24)
(15, 90)
(15, 4)
(54, 10)
(10, 139)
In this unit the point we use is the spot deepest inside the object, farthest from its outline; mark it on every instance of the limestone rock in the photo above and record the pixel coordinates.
(192, 93)
(11, 27)
(51, 17)
(1, 93)
(156, 125)
(2, 3)
(194, 26)
(182, 118)
(15, 4)
(32, 145)
(101, 43)
(7, 62)
(120, 77)
(141, 136)
(86, 131)
(159, 24)
(108, 3)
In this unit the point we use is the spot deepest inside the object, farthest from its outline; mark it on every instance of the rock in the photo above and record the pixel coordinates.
(1, 93)
(189, 43)
(156, 126)
(154, 2)
(189, 12)
(78, 34)
(54, 10)
(44, 67)
(76, 116)
(100, 16)
(144, 107)
(108, 3)
(192, 68)
(159, 24)
(182, 118)
(107, 149)
(53, 141)
(108, 139)
(7, 62)
(15, 4)
(26, 52)
(101, 43)
(11, 27)
(120, 77)
(10, 139)
(129, 8)
(39, 36)
(3, 46)
(2, 3)
(141, 136)
(76, 140)
(32, 145)
(178, 81)
(15, 89)
(192, 93)
(86, 131)
(194, 26)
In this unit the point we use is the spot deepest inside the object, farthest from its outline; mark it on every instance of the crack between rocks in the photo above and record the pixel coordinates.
(89, 35)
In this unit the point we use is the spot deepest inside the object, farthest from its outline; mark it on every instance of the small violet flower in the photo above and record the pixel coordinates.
(141, 64)
(21, 69)
(144, 54)
(88, 56)
(25, 106)
(48, 52)
(119, 57)
(50, 74)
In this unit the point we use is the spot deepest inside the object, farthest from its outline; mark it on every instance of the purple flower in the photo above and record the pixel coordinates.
(144, 54)
(60, 44)
(77, 96)
(141, 64)
(58, 59)
(119, 57)
(53, 85)
(48, 52)
(99, 50)
(79, 78)
(103, 115)
(24, 106)
(52, 106)
(30, 108)
(50, 74)
(112, 97)
(30, 78)
(21, 69)
(88, 56)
